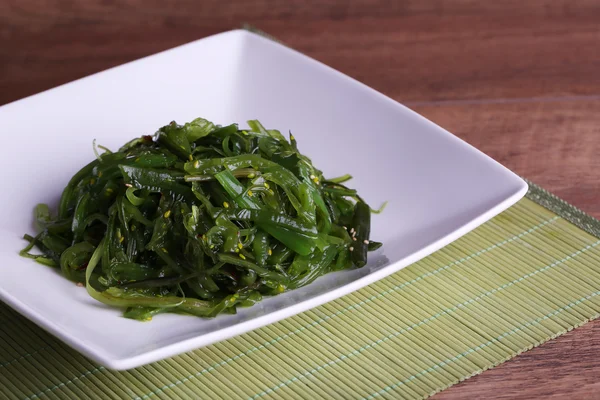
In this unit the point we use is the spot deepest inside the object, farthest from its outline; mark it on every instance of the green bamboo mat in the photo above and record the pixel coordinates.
(524, 277)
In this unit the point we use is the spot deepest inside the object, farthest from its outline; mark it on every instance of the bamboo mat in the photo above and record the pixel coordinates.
(524, 277)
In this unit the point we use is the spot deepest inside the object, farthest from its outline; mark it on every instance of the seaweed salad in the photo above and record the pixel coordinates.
(201, 219)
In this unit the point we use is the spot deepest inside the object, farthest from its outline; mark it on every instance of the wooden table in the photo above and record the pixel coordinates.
(519, 81)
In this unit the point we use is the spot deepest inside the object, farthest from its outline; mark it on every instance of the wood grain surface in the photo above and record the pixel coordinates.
(519, 80)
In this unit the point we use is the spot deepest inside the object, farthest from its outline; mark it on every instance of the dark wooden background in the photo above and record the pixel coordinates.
(520, 80)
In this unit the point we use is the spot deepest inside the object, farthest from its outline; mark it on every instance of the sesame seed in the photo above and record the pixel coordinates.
(191, 158)
(344, 227)
(351, 230)
(251, 175)
(237, 250)
(353, 238)
(250, 193)
(197, 164)
(312, 177)
(292, 137)
(365, 241)
(167, 213)
(240, 246)
(271, 191)
(79, 284)
(225, 204)
(165, 250)
(243, 257)
(270, 252)
(128, 185)
(351, 248)
(266, 185)
(121, 239)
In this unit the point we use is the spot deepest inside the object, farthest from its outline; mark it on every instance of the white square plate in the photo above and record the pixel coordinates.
(438, 187)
